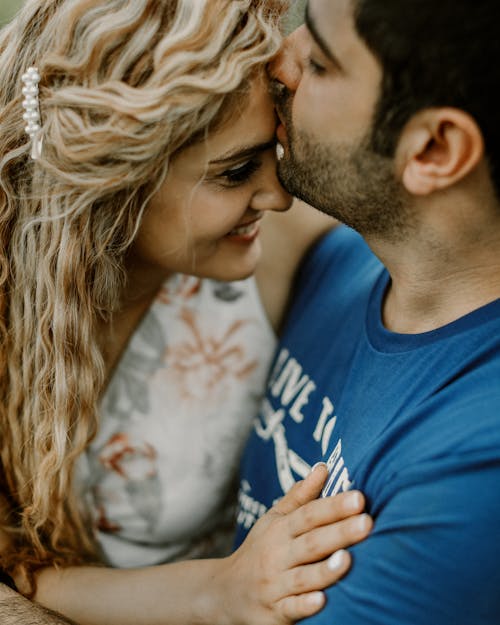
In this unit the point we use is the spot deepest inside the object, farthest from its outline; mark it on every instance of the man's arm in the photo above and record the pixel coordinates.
(15, 609)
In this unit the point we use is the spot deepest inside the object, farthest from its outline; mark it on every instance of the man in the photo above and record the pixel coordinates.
(14, 608)
(389, 365)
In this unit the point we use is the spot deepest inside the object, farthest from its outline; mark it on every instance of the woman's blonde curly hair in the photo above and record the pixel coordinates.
(124, 85)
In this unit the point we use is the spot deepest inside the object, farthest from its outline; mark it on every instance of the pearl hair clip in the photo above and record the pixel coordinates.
(31, 106)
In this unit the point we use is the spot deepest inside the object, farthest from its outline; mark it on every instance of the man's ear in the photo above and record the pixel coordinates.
(437, 148)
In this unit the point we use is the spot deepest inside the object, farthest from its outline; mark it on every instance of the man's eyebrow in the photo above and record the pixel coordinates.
(240, 152)
(311, 26)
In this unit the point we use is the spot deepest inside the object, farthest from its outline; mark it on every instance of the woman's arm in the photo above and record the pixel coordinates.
(286, 238)
(273, 579)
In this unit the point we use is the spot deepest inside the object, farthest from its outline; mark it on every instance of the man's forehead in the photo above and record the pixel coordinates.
(332, 27)
(331, 11)
(330, 22)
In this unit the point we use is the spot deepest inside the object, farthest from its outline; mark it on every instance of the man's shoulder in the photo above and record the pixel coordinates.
(341, 246)
(337, 271)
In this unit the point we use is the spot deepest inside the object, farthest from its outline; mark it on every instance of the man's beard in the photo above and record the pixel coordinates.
(348, 181)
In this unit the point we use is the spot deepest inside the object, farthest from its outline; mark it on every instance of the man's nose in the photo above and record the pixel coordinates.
(285, 67)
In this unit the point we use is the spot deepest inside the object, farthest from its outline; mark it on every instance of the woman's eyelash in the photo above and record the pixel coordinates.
(242, 173)
(315, 68)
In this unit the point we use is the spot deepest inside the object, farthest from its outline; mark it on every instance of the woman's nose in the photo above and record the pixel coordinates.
(270, 194)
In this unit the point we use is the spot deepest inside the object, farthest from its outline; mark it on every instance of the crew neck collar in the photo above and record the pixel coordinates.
(384, 340)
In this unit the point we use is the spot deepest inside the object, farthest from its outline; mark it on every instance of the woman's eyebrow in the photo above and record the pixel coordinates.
(243, 152)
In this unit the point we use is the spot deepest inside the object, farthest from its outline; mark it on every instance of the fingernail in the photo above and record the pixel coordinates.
(362, 523)
(316, 598)
(318, 464)
(352, 501)
(336, 560)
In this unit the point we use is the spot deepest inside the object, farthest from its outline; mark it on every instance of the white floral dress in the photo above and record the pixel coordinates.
(174, 420)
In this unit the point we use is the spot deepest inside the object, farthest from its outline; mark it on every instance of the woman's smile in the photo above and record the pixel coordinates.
(246, 233)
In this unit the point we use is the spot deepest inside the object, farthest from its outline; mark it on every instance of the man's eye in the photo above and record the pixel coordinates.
(315, 67)
(241, 173)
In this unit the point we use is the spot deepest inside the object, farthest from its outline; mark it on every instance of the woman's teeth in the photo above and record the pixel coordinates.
(242, 230)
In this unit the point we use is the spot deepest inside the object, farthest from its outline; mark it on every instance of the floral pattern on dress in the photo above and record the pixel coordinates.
(227, 291)
(174, 418)
(183, 288)
(202, 361)
(135, 463)
(128, 389)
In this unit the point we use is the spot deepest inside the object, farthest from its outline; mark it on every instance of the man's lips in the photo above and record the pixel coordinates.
(281, 134)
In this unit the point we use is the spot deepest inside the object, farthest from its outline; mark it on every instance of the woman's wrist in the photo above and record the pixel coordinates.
(213, 595)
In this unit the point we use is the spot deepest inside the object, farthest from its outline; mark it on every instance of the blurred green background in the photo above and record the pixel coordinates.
(9, 7)
(295, 15)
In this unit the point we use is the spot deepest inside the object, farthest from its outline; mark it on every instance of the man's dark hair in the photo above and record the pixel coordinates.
(434, 53)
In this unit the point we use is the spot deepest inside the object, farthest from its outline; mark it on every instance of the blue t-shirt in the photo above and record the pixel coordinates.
(413, 421)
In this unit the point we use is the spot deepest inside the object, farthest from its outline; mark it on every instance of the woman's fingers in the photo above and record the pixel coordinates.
(304, 596)
(320, 542)
(301, 606)
(318, 575)
(325, 511)
(287, 558)
(304, 491)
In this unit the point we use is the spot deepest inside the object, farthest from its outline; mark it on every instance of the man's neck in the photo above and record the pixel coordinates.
(437, 279)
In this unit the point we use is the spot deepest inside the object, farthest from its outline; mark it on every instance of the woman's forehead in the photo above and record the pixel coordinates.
(249, 128)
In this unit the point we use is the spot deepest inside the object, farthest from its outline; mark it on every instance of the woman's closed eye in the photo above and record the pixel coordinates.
(241, 173)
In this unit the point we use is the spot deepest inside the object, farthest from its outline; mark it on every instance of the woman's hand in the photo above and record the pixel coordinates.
(292, 553)
(274, 578)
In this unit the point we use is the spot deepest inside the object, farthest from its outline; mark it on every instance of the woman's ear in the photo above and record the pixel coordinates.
(437, 148)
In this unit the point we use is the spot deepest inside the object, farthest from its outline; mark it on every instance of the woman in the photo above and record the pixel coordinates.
(130, 374)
